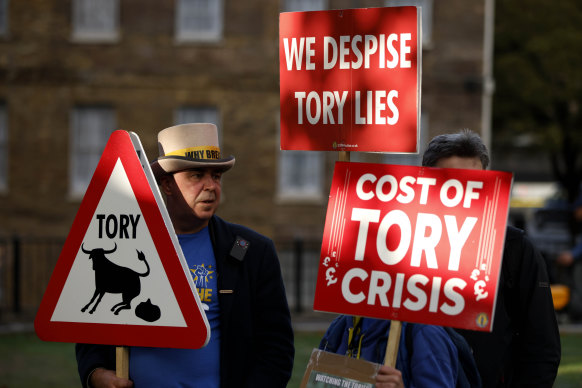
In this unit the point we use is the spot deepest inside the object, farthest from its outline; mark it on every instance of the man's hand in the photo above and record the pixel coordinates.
(104, 378)
(389, 377)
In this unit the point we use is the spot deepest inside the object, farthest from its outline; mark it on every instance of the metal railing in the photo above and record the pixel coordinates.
(299, 264)
(27, 263)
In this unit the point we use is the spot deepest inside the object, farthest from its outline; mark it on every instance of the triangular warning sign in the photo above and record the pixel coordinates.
(121, 278)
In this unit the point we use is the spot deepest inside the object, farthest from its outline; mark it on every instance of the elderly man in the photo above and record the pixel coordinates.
(251, 342)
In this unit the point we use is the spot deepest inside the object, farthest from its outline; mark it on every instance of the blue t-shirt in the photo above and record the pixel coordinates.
(164, 367)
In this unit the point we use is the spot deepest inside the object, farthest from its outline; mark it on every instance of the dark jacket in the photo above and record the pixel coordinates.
(256, 347)
(524, 347)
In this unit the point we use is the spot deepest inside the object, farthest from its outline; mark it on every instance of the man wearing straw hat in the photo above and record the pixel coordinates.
(251, 342)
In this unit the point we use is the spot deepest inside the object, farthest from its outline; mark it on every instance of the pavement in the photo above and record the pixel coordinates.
(302, 321)
(318, 322)
(571, 328)
(311, 321)
(16, 327)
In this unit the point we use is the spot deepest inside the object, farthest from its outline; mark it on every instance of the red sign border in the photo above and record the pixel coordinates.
(311, 144)
(324, 306)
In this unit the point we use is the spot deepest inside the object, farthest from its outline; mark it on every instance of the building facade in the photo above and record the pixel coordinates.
(72, 71)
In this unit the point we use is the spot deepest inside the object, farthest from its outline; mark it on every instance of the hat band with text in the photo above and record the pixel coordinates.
(202, 152)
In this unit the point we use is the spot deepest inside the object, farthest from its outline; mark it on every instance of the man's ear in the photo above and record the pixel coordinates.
(166, 183)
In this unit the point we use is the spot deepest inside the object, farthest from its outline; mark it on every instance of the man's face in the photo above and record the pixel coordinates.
(193, 196)
(460, 162)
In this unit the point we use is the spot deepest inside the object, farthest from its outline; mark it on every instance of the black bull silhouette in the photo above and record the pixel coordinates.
(114, 279)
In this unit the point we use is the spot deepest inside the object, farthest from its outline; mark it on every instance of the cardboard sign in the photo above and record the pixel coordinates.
(414, 244)
(330, 370)
(350, 79)
(121, 278)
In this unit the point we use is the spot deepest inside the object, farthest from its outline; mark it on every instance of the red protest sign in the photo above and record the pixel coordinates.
(121, 277)
(350, 79)
(413, 244)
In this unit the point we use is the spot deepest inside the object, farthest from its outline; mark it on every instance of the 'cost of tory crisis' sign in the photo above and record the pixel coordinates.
(350, 80)
(414, 244)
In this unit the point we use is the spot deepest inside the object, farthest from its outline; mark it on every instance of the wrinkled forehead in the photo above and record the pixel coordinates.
(209, 169)
(470, 163)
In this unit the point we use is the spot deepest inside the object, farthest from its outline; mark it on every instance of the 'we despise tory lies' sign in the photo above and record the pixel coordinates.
(414, 244)
(350, 79)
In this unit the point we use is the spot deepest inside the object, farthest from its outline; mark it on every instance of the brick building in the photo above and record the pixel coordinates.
(71, 71)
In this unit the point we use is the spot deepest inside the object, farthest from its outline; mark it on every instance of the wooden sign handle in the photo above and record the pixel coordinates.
(122, 361)
(393, 342)
(344, 156)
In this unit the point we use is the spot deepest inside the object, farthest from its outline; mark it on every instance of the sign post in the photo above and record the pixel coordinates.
(392, 344)
(122, 362)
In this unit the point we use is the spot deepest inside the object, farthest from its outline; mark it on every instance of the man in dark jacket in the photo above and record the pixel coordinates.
(524, 347)
(237, 274)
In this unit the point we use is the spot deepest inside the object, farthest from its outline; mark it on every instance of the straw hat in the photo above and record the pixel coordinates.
(188, 146)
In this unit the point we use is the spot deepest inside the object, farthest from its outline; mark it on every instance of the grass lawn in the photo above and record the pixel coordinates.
(25, 361)
(570, 371)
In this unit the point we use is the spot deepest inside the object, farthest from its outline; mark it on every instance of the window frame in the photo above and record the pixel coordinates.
(426, 17)
(205, 111)
(89, 9)
(4, 147)
(4, 9)
(90, 151)
(300, 194)
(210, 35)
(304, 5)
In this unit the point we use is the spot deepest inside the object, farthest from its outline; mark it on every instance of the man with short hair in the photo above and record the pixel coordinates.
(524, 347)
(251, 343)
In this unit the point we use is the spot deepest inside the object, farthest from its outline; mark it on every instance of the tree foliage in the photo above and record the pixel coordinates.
(538, 75)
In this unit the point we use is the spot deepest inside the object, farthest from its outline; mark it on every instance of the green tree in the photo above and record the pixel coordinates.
(538, 75)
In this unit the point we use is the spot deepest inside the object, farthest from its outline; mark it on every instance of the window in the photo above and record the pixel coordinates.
(95, 20)
(300, 176)
(396, 158)
(412, 159)
(3, 149)
(193, 114)
(304, 5)
(426, 15)
(3, 17)
(199, 20)
(90, 130)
